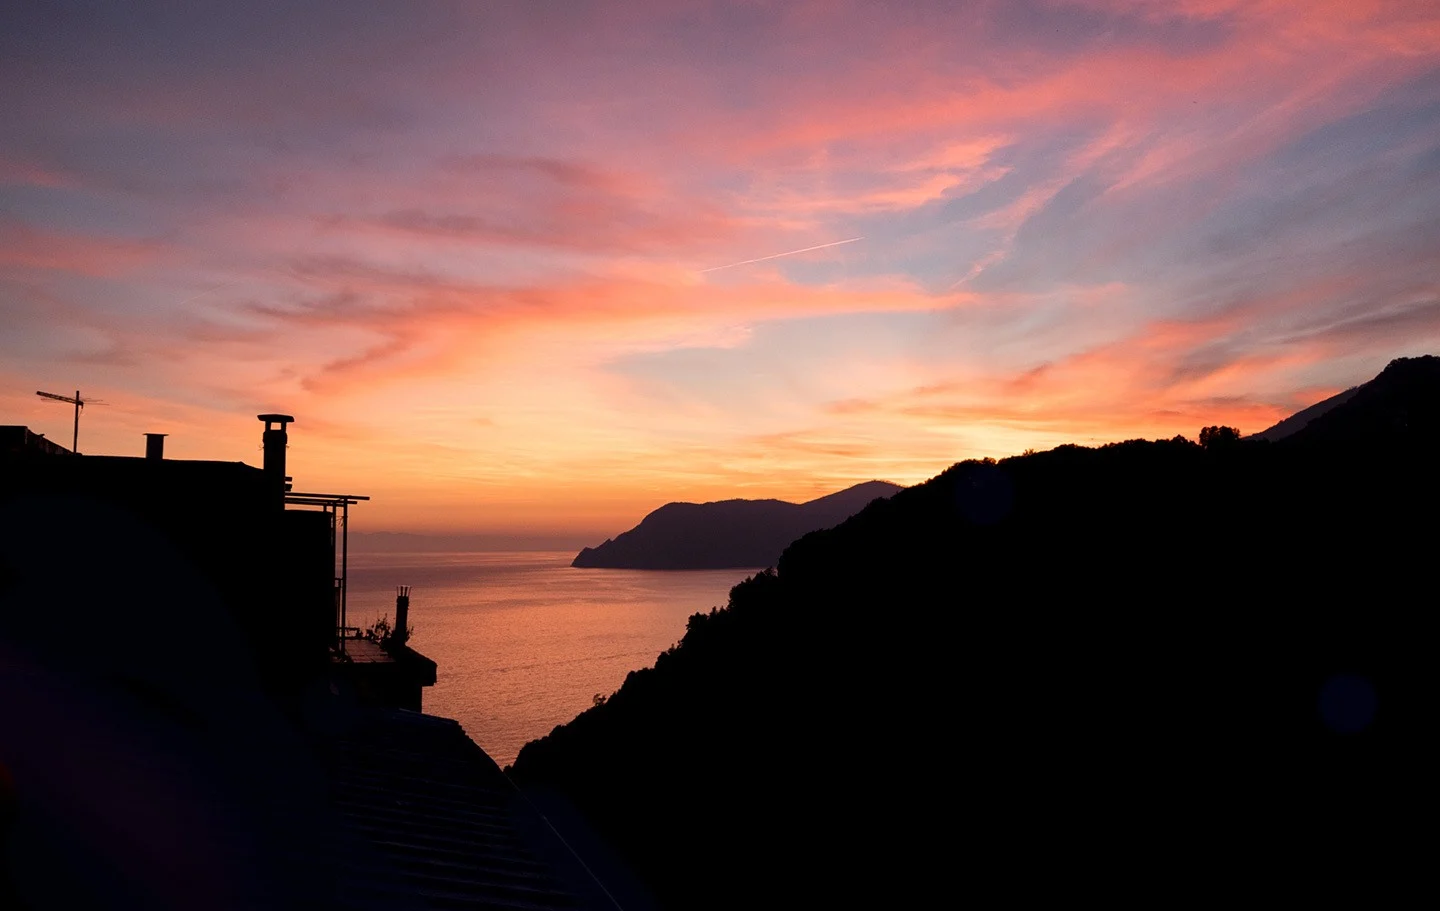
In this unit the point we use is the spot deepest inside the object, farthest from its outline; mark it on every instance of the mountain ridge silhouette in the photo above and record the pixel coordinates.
(1144, 663)
(726, 534)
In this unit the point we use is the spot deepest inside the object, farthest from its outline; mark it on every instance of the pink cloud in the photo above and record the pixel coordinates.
(18, 172)
(25, 247)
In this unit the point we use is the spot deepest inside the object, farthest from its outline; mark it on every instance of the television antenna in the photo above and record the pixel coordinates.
(78, 403)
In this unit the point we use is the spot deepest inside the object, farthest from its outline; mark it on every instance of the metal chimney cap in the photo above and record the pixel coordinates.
(281, 419)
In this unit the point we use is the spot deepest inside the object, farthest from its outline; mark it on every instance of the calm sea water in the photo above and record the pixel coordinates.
(523, 640)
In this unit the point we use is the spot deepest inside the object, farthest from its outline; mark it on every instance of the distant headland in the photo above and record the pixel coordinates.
(727, 534)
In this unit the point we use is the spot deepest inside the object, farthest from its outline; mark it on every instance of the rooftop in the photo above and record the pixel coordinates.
(443, 825)
(367, 651)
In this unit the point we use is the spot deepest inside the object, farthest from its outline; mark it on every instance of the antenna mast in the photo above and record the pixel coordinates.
(78, 403)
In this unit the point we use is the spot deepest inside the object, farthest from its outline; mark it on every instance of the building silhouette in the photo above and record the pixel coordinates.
(190, 720)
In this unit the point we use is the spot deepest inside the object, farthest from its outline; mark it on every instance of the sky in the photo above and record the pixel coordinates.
(523, 268)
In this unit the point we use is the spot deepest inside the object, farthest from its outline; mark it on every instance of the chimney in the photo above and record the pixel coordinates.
(402, 615)
(155, 446)
(275, 440)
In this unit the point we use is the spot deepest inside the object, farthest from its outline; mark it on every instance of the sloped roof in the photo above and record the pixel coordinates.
(441, 825)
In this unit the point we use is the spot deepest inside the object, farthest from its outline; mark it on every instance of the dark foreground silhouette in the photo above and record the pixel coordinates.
(187, 720)
(728, 534)
(1149, 669)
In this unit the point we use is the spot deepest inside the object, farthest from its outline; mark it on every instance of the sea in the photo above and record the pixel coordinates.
(524, 641)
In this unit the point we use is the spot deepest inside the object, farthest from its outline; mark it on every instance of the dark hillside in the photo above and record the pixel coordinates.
(1299, 419)
(1398, 407)
(1063, 674)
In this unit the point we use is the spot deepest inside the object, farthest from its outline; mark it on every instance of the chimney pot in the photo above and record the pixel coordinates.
(402, 615)
(275, 440)
(155, 446)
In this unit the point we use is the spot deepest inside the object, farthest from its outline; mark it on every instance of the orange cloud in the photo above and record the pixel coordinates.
(424, 325)
(1150, 385)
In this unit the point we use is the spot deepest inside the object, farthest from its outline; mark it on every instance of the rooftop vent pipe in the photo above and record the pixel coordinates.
(155, 446)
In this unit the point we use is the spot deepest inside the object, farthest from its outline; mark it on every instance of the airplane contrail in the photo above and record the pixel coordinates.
(747, 262)
(218, 287)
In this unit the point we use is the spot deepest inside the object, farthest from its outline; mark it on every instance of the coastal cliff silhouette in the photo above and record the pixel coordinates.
(1088, 671)
(728, 534)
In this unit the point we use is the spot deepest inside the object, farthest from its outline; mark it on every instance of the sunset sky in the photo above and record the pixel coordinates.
(514, 266)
